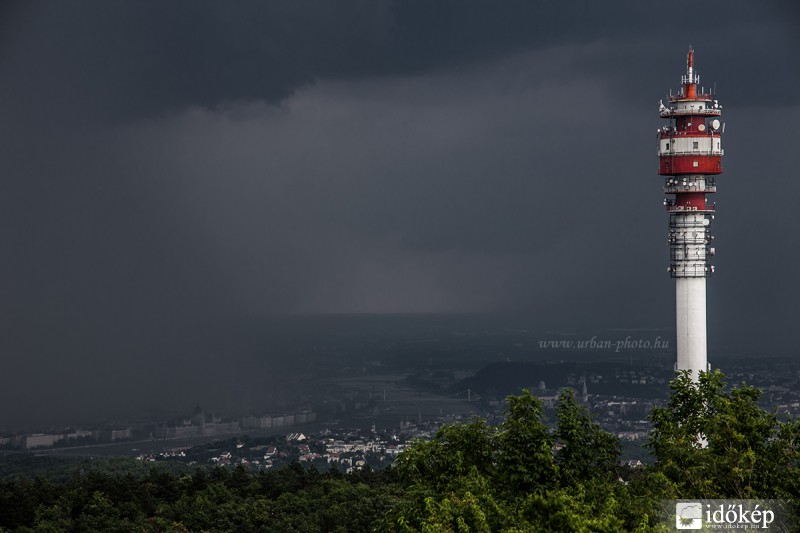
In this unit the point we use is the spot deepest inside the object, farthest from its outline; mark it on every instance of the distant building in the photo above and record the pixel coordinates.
(112, 434)
(40, 440)
(200, 424)
(258, 422)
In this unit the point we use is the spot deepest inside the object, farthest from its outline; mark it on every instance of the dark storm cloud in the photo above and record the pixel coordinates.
(118, 59)
(172, 172)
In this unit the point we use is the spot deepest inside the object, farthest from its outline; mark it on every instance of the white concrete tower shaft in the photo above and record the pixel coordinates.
(690, 313)
(690, 156)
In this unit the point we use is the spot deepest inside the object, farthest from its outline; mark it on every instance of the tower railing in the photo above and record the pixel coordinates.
(672, 208)
(713, 151)
(680, 221)
(673, 189)
(708, 97)
(690, 271)
(708, 111)
(669, 133)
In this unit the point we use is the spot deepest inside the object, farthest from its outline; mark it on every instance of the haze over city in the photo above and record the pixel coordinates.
(178, 178)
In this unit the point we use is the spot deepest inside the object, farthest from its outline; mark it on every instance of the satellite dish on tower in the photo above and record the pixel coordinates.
(715, 124)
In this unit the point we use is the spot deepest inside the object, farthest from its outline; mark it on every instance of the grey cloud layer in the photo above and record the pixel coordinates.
(164, 167)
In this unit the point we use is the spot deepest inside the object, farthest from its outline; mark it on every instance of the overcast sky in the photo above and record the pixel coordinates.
(166, 167)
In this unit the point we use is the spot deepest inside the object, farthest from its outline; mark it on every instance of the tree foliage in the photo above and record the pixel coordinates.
(289, 499)
(519, 476)
(715, 443)
(707, 442)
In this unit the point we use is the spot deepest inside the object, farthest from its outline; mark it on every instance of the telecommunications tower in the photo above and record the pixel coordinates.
(690, 157)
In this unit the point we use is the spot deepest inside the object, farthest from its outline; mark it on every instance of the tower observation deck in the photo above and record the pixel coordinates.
(690, 157)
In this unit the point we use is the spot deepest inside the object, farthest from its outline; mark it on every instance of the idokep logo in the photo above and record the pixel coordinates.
(688, 515)
(709, 515)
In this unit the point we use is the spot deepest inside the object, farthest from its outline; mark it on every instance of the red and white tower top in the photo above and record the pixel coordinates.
(690, 156)
(694, 130)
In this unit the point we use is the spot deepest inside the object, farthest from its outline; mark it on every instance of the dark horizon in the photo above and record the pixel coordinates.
(270, 365)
